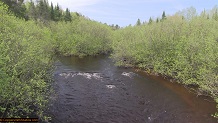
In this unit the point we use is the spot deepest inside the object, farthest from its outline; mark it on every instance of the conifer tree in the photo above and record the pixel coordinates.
(67, 16)
(150, 21)
(32, 12)
(163, 16)
(52, 12)
(117, 26)
(17, 7)
(138, 23)
(157, 20)
(203, 14)
(57, 13)
(43, 10)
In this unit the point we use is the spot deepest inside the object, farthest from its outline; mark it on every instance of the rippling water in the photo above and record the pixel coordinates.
(93, 90)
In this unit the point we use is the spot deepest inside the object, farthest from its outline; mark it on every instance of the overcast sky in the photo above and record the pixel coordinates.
(125, 12)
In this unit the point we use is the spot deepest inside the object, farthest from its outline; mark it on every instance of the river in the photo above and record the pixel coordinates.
(94, 90)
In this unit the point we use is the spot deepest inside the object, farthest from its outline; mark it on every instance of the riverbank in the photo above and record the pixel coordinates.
(170, 82)
(174, 48)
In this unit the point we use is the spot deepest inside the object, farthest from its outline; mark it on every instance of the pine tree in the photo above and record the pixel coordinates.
(43, 10)
(157, 20)
(32, 13)
(47, 15)
(67, 16)
(138, 23)
(150, 21)
(52, 12)
(57, 13)
(117, 26)
(163, 16)
(203, 14)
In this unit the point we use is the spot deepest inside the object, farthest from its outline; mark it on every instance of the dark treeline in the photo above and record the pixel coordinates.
(183, 46)
(38, 10)
(44, 11)
(17, 7)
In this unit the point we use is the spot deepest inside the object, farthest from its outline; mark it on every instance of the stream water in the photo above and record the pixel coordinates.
(93, 90)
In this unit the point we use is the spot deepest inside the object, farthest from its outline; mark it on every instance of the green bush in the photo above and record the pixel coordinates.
(25, 61)
(184, 50)
(81, 37)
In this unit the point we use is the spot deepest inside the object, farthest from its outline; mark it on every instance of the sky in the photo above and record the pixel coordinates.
(125, 12)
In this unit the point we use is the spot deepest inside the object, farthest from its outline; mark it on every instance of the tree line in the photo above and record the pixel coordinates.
(39, 10)
(185, 14)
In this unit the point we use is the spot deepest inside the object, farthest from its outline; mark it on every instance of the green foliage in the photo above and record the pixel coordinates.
(163, 16)
(188, 14)
(157, 20)
(17, 7)
(215, 15)
(31, 11)
(43, 12)
(52, 12)
(114, 27)
(138, 23)
(67, 16)
(184, 50)
(25, 61)
(57, 13)
(150, 21)
(26, 51)
(81, 37)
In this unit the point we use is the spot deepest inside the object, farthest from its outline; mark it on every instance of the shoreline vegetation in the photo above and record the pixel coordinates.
(183, 46)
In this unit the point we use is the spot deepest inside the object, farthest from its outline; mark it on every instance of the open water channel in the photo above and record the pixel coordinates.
(94, 90)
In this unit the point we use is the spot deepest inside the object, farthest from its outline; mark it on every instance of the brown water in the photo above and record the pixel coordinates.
(93, 90)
